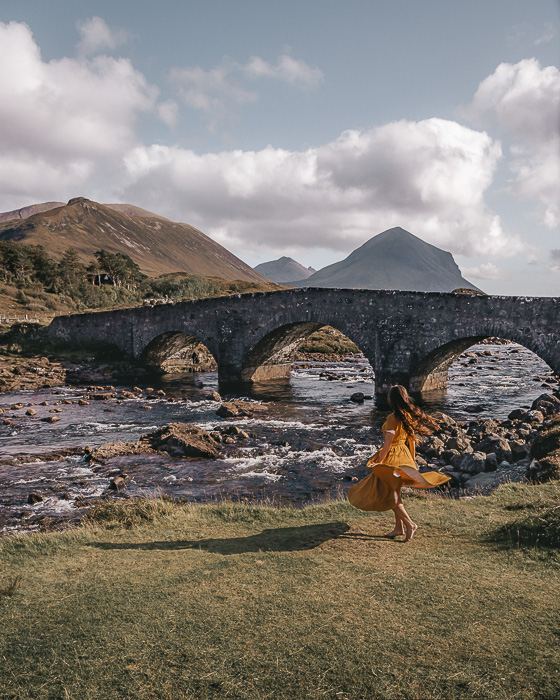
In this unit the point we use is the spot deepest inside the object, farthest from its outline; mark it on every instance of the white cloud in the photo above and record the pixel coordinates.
(548, 34)
(97, 36)
(69, 127)
(215, 91)
(429, 177)
(524, 99)
(168, 112)
(60, 120)
(485, 271)
(287, 69)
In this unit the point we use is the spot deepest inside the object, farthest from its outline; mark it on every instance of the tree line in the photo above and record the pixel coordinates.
(107, 280)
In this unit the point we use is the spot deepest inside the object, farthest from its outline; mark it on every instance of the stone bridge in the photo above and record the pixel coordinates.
(410, 338)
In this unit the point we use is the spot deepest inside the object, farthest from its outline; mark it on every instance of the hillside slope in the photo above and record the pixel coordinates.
(157, 245)
(394, 259)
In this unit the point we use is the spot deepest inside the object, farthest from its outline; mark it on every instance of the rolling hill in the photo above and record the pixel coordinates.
(158, 245)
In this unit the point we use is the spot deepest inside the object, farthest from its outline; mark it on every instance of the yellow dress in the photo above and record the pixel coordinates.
(380, 490)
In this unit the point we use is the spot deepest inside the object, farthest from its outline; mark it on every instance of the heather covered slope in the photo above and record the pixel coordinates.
(157, 245)
(394, 259)
(284, 270)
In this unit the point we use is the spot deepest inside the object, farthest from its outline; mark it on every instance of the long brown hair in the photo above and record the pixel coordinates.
(412, 418)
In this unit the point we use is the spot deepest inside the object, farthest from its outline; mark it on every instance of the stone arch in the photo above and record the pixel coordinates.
(270, 358)
(180, 349)
(431, 372)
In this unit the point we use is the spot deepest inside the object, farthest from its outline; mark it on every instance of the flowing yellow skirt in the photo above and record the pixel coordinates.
(380, 490)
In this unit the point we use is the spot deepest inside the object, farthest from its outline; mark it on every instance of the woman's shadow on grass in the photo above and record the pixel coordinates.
(282, 539)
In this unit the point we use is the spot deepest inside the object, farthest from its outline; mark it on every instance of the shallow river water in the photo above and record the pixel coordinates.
(309, 444)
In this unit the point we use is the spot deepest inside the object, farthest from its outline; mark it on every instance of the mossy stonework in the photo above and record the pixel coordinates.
(410, 338)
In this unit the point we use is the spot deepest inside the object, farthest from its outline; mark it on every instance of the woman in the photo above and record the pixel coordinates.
(393, 465)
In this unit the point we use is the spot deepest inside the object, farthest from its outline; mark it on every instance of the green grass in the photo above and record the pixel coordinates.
(163, 600)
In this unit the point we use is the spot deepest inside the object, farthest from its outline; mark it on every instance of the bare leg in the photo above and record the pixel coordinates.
(410, 527)
(399, 527)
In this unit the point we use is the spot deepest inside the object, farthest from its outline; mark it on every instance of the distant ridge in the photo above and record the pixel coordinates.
(394, 259)
(284, 270)
(158, 245)
(26, 212)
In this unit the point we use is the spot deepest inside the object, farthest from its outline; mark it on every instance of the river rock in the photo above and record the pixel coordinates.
(545, 469)
(34, 498)
(237, 431)
(434, 448)
(102, 396)
(182, 439)
(51, 419)
(238, 409)
(460, 443)
(357, 397)
(519, 449)
(491, 463)
(31, 412)
(118, 449)
(496, 444)
(518, 414)
(535, 416)
(546, 403)
(473, 463)
(83, 402)
(118, 483)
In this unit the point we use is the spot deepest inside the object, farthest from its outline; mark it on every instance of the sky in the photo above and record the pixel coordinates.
(301, 128)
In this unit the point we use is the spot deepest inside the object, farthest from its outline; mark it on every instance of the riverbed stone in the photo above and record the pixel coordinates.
(238, 409)
(34, 498)
(182, 439)
(491, 463)
(519, 449)
(460, 443)
(473, 463)
(496, 444)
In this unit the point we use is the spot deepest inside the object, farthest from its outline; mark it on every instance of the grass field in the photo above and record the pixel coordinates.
(159, 600)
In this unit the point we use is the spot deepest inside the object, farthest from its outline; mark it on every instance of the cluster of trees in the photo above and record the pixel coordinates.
(109, 279)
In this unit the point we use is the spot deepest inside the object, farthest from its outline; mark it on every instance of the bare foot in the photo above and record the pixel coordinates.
(394, 533)
(410, 530)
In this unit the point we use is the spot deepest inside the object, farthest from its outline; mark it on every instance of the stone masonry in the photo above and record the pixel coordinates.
(410, 338)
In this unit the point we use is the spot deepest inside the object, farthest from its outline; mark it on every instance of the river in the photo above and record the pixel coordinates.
(308, 446)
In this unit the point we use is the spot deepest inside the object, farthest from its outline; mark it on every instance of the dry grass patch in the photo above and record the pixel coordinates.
(234, 601)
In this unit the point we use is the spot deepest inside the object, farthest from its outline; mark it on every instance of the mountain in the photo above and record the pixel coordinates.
(394, 259)
(26, 212)
(157, 245)
(284, 270)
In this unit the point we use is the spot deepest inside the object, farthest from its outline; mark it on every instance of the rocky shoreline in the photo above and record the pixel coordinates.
(478, 453)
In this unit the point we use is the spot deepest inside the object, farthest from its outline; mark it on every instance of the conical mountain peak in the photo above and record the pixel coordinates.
(394, 259)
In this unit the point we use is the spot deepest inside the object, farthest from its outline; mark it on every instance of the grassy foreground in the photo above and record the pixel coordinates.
(159, 600)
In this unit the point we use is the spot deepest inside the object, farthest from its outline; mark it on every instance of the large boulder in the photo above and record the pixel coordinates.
(184, 440)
